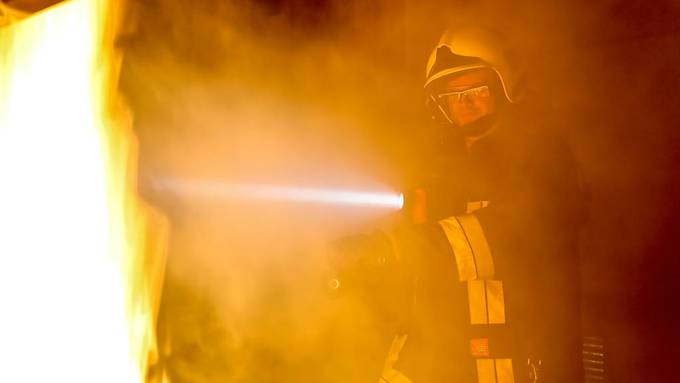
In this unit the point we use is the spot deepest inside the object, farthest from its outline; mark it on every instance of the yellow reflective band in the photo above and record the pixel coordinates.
(495, 371)
(473, 206)
(465, 260)
(486, 371)
(394, 376)
(479, 246)
(473, 256)
(477, 301)
(495, 302)
(504, 371)
(486, 302)
(395, 350)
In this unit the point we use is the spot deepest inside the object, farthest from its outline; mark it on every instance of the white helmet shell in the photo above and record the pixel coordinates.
(476, 48)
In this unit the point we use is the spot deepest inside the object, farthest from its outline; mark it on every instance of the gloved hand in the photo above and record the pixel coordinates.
(366, 267)
(357, 260)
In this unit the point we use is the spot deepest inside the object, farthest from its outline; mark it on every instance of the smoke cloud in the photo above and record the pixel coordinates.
(329, 94)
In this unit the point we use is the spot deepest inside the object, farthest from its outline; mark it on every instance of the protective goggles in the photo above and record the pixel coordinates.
(466, 95)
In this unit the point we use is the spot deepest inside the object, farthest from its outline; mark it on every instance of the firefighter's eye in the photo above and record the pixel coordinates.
(468, 94)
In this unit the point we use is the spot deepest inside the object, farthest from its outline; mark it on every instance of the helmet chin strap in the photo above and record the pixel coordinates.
(478, 127)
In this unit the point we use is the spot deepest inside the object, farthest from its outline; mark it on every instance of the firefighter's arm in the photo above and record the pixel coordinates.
(470, 247)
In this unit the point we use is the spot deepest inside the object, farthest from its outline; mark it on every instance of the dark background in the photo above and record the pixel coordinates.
(323, 90)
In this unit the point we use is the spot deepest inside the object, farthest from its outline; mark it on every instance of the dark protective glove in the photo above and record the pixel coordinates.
(436, 186)
(366, 267)
(359, 260)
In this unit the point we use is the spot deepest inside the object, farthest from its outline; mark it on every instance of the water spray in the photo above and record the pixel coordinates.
(224, 190)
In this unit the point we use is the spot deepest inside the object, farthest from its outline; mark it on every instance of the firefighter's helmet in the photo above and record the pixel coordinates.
(468, 49)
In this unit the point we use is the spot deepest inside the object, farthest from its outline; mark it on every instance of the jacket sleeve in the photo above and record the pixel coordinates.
(541, 203)
(525, 241)
(504, 270)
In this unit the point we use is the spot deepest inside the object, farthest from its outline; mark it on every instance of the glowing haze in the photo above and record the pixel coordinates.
(80, 255)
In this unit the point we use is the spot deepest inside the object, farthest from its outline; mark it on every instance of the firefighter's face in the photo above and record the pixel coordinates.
(469, 96)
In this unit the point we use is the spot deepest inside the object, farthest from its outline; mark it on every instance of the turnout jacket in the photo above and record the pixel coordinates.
(494, 287)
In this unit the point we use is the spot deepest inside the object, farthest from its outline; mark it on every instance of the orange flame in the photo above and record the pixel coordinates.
(81, 256)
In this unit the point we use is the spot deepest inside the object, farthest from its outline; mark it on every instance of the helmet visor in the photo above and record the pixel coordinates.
(468, 95)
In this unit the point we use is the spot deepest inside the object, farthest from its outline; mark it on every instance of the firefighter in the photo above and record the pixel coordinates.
(493, 254)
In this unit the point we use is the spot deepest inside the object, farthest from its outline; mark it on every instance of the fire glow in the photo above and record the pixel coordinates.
(81, 256)
(227, 190)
